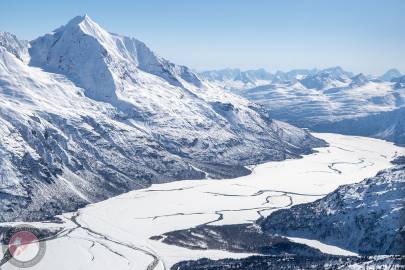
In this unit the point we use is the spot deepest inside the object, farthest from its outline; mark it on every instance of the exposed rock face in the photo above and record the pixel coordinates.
(245, 238)
(294, 262)
(367, 217)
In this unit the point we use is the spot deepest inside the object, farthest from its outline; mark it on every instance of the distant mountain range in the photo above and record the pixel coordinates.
(325, 100)
(237, 79)
(86, 114)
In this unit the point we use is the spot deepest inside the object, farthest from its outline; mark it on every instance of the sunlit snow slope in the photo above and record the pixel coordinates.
(86, 115)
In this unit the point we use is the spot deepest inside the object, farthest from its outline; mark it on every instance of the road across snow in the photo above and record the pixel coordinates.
(114, 234)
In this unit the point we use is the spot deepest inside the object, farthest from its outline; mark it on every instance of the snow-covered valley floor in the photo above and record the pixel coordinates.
(114, 234)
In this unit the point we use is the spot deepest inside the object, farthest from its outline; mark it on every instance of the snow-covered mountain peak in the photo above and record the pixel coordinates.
(76, 21)
(79, 51)
(14, 46)
(103, 63)
(390, 74)
(87, 26)
(359, 80)
(234, 78)
(337, 72)
(133, 52)
(326, 78)
(228, 74)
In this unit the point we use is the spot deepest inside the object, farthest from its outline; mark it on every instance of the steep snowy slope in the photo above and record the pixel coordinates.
(367, 217)
(60, 150)
(96, 114)
(17, 47)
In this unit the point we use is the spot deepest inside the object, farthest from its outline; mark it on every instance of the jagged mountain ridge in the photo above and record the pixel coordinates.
(235, 78)
(96, 114)
(332, 100)
(230, 77)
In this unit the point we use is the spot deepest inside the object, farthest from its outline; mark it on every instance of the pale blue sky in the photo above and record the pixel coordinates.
(359, 35)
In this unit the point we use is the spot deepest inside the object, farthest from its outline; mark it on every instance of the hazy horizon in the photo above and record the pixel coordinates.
(297, 68)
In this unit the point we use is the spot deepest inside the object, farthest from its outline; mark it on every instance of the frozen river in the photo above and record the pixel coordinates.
(114, 234)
